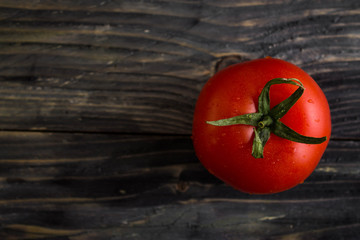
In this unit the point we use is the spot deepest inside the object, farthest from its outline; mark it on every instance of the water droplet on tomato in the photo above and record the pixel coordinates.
(310, 101)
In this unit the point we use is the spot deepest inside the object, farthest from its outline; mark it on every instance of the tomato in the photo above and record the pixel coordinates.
(227, 151)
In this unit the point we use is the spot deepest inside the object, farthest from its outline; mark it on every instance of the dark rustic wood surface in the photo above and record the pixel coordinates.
(96, 104)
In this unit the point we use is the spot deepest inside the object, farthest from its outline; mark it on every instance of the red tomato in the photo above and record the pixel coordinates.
(226, 151)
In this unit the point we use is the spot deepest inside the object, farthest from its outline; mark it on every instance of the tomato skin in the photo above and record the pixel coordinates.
(226, 151)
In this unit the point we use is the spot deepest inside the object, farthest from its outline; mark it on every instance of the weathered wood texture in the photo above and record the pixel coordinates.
(138, 66)
(96, 103)
(97, 186)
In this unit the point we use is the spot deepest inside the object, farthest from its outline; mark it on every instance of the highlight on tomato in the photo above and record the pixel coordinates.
(261, 126)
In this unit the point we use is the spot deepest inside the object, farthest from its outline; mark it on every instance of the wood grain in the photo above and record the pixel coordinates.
(130, 66)
(96, 104)
(103, 186)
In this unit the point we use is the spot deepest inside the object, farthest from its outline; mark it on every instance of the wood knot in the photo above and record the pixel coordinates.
(182, 186)
(228, 61)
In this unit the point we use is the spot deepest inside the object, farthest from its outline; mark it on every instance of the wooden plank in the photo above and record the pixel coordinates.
(110, 186)
(206, 219)
(135, 67)
(96, 100)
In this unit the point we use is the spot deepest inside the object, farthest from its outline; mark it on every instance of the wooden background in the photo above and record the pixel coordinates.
(96, 104)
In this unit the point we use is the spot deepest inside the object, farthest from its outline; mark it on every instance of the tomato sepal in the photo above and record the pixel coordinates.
(283, 131)
(264, 98)
(262, 135)
(247, 119)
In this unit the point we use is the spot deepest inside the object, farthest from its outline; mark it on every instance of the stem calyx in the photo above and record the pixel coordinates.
(267, 120)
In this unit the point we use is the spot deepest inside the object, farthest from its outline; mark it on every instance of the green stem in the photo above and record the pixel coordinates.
(267, 121)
